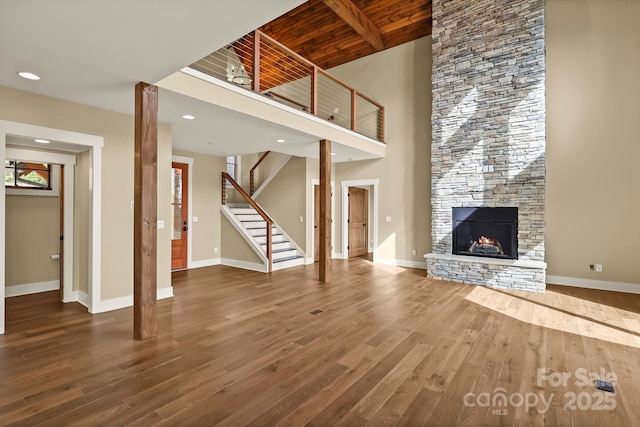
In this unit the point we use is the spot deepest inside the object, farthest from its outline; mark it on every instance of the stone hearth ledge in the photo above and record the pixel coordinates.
(539, 265)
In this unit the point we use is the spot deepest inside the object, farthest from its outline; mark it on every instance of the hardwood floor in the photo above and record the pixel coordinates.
(387, 346)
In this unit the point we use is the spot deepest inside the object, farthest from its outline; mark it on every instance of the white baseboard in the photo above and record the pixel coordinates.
(31, 288)
(82, 298)
(205, 263)
(309, 260)
(338, 255)
(401, 262)
(73, 297)
(127, 301)
(603, 285)
(244, 264)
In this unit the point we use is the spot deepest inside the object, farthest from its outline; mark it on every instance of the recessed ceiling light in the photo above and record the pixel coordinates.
(41, 141)
(29, 76)
(280, 140)
(188, 117)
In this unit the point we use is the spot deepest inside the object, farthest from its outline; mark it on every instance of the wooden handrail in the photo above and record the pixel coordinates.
(315, 72)
(254, 205)
(286, 49)
(346, 86)
(252, 184)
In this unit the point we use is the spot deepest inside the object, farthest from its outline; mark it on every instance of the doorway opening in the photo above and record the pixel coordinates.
(23, 135)
(359, 218)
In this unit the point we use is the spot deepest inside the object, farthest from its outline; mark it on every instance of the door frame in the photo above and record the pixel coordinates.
(94, 144)
(373, 210)
(311, 215)
(189, 161)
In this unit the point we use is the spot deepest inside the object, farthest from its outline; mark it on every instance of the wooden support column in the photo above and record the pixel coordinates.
(145, 212)
(325, 211)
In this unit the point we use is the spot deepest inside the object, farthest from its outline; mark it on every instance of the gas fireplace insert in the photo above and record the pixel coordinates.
(486, 232)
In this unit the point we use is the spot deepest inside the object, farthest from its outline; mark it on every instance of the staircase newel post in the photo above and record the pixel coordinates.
(269, 245)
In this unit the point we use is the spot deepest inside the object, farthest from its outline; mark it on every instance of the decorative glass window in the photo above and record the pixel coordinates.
(19, 174)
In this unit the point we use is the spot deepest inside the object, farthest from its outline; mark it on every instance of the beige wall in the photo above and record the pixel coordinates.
(593, 144)
(284, 199)
(117, 178)
(234, 247)
(32, 236)
(206, 194)
(398, 78)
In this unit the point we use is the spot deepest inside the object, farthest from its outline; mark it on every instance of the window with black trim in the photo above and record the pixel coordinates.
(27, 175)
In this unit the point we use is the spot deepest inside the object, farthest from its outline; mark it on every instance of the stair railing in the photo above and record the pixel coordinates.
(269, 222)
(264, 170)
(252, 173)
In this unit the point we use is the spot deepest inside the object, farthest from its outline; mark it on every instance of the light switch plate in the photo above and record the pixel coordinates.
(160, 224)
(195, 219)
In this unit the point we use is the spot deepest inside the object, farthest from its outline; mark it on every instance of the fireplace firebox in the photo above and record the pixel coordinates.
(485, 232)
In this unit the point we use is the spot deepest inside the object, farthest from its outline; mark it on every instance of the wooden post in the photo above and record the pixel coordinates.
(145, 212)
(354, 112)
(314, 90)
(256, 61)
(325, 211)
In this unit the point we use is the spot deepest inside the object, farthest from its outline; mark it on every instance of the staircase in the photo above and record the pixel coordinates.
(285, 253)
(251, 221)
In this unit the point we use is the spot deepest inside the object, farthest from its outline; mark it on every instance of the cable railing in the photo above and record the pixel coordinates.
(268, 221)
(259, 63)
(269, 163)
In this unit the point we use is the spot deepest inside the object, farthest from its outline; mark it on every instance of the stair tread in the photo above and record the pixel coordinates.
(276, 243)
(287, 258)
(275, 251)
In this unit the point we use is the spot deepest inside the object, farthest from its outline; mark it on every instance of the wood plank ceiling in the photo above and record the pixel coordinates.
(333, 32)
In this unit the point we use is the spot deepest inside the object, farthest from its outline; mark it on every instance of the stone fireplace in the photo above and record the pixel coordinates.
(488, 148)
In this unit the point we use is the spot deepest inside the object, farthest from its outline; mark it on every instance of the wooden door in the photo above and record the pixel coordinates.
(179, 214)
(316, 223)
(358, 214)
(61, 263)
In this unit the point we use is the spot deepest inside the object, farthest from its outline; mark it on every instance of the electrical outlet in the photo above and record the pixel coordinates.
(598, 268)
(387, 219)
(414, 252)
(215, 250)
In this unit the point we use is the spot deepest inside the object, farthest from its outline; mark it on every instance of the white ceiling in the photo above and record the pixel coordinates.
(94, 52)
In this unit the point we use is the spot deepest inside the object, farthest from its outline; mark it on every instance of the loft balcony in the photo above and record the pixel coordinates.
(259, 77)
(259, 63)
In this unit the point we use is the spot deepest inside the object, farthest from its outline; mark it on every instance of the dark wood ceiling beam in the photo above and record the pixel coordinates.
(352, 15)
